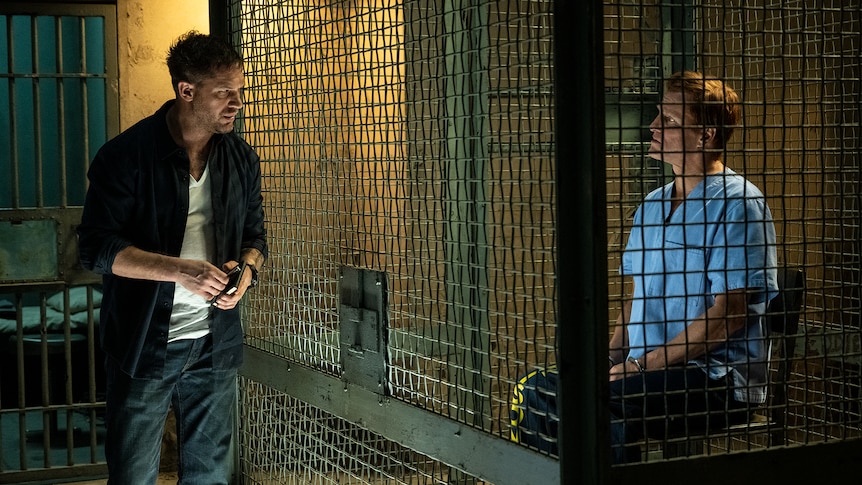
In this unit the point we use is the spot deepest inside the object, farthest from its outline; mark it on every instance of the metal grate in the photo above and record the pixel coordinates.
(57, 106)
(797, 67)
(53, 76)
(412, 138)
(416, 139)
(286, 441)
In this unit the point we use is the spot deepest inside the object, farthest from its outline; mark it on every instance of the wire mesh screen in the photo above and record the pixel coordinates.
(416, 138)
(286, 441)
(796, 66)
(398, 139)
(413, 138)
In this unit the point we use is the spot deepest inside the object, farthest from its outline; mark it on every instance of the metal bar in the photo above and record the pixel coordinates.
(61, 119)
(91, 373)
(38, 161)
(85, 102)
(582, 328)
(465, 448)
(54, 407)
(48, 417)
(13, 125)
(219, 21)
(225, 23)
(67, 366)
(68, 75)
(53, 475)
(22, 402)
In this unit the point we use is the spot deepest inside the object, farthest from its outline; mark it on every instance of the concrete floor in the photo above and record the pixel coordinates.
(164, 479)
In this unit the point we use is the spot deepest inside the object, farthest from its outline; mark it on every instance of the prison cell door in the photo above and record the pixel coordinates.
(58, 103)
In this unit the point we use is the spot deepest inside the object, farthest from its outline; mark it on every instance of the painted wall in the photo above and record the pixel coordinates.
(146, 30)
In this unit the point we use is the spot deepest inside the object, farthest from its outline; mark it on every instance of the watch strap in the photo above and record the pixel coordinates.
(253, 275)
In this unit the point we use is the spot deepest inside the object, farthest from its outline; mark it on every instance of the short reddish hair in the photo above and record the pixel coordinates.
(713, 102)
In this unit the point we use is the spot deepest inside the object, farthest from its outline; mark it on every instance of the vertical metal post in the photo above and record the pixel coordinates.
(37, 122)
(13, 125)
(91, 371)
(219, 21)
(582, 329)
(48, 416)
(226, 23)
(225, 20)
(68, 390)
(19, 361)
(61, 111)
(85, 103)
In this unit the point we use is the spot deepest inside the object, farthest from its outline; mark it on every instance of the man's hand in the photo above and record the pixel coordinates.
(622, 370)
(227, 302)
(201, 278)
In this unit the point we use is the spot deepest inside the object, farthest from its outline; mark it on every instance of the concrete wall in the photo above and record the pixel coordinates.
(146, 29)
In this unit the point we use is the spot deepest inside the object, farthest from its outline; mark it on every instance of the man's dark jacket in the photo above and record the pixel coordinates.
(139, 196)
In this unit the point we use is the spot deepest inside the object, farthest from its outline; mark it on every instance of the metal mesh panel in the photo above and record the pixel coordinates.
(416, 138)
(800, 73)
(285, 442)
(796, 65)
(396, 138)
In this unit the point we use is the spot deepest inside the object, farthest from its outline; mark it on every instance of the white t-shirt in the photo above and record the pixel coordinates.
(191, 312)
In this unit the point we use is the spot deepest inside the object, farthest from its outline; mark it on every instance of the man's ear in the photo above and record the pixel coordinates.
(185, 91)
(709, 135)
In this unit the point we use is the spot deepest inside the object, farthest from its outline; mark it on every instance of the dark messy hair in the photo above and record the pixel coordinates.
(714, 103)
(195, 56)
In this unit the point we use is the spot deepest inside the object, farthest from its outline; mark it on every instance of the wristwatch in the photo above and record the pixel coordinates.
(253, 275)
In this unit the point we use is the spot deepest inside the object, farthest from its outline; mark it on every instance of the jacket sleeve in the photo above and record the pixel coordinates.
(107, 207)
(254, 232)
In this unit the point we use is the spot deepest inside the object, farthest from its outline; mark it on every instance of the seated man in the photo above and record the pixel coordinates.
(689, 352)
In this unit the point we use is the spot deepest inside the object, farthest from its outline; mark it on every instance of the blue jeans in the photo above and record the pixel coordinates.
(203, 400)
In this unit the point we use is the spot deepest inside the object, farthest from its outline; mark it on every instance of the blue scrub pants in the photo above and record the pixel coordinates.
(677, 401)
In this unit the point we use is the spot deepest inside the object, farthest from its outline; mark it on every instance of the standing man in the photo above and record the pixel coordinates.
(174, 203)
(689, 351)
